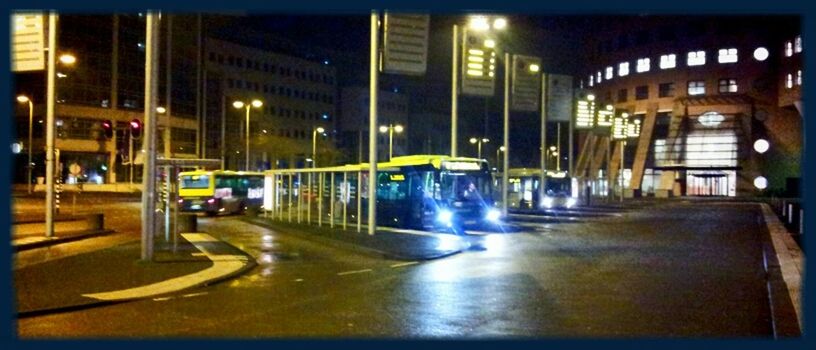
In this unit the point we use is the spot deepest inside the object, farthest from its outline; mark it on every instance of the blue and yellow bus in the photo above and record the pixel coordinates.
(219, 191)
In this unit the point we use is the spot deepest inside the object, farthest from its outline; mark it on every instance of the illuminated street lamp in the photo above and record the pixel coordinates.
(478, 142)
(314, 145)
(26, 99)
(554, 153)
(239, 105)
(67, 59)
(498, 155)
(390, 129)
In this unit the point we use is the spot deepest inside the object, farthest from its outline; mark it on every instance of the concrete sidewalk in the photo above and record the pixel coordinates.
(117, 274)
(387, 242)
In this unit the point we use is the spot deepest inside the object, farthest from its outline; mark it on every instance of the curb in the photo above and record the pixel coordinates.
(319, 239)
(251, 263)
(75, 236)
(784, 274)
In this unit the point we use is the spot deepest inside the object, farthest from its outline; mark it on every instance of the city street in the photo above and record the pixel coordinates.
(681, 269)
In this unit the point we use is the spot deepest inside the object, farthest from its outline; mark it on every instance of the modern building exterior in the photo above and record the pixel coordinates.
(393, 111)
(298, 96)
(706, 90)
(106, 82)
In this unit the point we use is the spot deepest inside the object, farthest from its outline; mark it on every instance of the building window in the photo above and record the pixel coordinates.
(727, 55)
(788, 49)
(599, 77)
(799, 77)
(642, 65)
(696, 58)
(668, 61)
(789, 81)
(609, 72)
(642, 92)
(623, 69)
(212, 56)
(622, 95)
(696, 87)
(591, 80)
(728, 85)
(797, 44)
(665, 90)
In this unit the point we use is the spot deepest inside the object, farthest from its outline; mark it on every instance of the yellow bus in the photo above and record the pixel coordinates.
(220, 191)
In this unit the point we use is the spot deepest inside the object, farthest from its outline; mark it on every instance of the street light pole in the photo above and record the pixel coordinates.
(454, 89)
(246, 164)
(314, 145)
(505, 161)
(26, 99)
(49, 122)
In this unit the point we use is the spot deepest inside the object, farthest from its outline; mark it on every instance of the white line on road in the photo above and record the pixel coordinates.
(405, 264)
(352, 272)
(193, 295)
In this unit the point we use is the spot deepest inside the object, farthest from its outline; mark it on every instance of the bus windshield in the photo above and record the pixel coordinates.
(465, 186)
(195, 181)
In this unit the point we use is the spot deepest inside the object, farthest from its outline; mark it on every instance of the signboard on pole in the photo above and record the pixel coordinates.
(405, 43)
(478, 64)
(27, 42)
(526, 84)
(585, 112)
(620, 126)
(603, 121)
(559, 97)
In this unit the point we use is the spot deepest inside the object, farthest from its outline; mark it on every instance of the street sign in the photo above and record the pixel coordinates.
(28, 42)
(405, 43)
(585, 112)
(526, 84)
(559, 97)
(478, 64)
(620, 126)
(603, 119)
(633, 128)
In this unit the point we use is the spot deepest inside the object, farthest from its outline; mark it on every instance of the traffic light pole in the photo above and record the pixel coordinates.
(372, 125)
(49, 123)
(149, 143)
(454, 89)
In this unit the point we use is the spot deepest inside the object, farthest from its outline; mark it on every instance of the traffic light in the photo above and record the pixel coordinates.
(107, 128)
(136, 129)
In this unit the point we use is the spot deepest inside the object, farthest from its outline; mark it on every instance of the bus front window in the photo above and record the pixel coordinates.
(465, 186)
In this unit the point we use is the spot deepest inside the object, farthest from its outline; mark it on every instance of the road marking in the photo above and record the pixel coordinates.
(405, 264)
(222, 265)
(162, 299)
(352, 272)
(193, 295)
(299, 280)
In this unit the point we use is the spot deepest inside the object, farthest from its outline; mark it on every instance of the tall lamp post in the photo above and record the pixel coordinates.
(478, 142)
(314, 145)
(390, 129)
(554, 153)
(498, 155)
(239, 105)
(26, 99)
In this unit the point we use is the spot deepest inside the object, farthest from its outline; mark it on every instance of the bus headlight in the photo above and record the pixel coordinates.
(445, 216)
(493, 215)
(547, 203)
(571, 202)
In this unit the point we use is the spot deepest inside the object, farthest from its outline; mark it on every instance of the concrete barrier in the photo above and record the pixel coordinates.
(187, 223)
(95, 221)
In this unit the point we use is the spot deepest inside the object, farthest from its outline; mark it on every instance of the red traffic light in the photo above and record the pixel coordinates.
(107, 128)
(136, 128)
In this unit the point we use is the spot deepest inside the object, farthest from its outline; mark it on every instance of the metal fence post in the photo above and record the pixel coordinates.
(331, 201)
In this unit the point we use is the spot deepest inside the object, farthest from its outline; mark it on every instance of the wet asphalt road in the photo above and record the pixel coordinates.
(676, 270)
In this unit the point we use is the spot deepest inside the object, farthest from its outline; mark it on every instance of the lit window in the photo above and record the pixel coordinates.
(642, 65)
(598, 78)
(623, 69)
(761, 54)
(788, 49)
(591, 80)
(668, 61)
(728, 85)
(727, 56)
(696, 58)
(609, 72)
(696, 87)
(789, 81)
(799, 77)
(797, 44)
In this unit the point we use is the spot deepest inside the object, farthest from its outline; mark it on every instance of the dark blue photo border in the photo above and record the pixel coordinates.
(690, 7)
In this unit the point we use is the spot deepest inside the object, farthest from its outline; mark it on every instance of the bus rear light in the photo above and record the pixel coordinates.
(181, 201)
(211, 200)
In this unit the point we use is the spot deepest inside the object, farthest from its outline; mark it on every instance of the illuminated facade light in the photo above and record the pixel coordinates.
(668, 61)
(797, 44)
(789, 81)
(761, 54)
(591, 80)
(598, 77)
(788, 49)
(799, 77)
(760, 182)
(761, 146)
(479, 23)
(476, 52)
(609, 72)
(476, 59)
(696, 58)
(727, 55)
(490, 43)
(534, 68)
(500, 23)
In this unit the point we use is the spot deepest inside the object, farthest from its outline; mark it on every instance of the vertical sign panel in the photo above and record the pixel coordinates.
(27, 42)
(405, 43)
(585, 112)
(559, 97)
(478, 64)
(619, 127)
(526, 85)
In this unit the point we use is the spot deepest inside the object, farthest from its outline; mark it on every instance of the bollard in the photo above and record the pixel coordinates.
(790, 213)
(187, 223)
(95, 221)
(801, 221)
